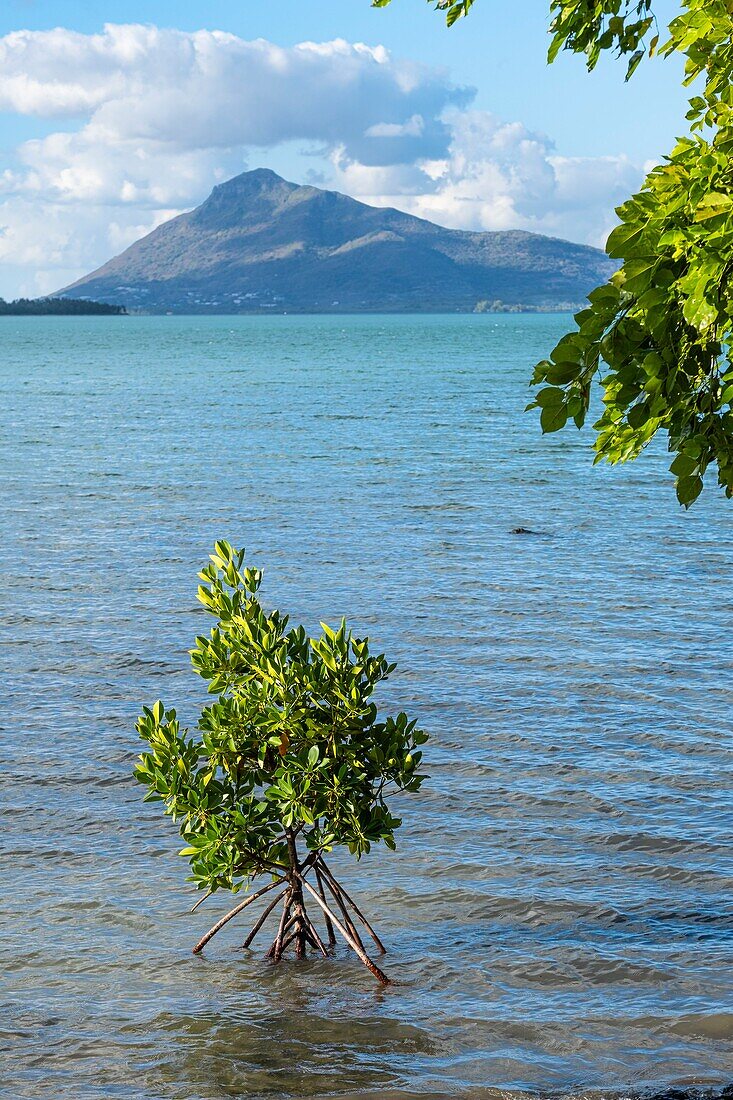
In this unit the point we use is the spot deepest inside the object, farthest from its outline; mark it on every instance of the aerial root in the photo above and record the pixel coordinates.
(276, 950)
(344, 912)
(353, 905)
(355, 945)
(262, 919)
(233, 913)
(329, 926)
(295, 925)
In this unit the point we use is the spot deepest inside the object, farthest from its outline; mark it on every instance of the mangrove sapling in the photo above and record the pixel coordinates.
(289, 762)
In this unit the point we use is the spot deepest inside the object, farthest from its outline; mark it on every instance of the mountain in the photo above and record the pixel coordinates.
(259, 243)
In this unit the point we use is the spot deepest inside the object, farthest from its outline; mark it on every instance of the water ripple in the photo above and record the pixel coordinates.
(558, 913)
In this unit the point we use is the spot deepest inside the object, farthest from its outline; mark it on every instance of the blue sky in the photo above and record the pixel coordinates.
(104, 133)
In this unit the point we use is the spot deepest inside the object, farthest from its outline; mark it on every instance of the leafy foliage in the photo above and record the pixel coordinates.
(662, 324)
(293, 741)
(658, 334)
(453, 9)
(592, 26)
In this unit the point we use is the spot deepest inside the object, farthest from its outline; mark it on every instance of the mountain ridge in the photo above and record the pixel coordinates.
(260, 243)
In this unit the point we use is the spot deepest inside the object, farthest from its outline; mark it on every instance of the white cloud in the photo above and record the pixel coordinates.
(203, 90)
(498, 175)
(155, 117)
(81, 167)
(44, 246)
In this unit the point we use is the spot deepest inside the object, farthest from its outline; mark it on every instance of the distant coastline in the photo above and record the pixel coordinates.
(39, 307)
(411, 310)
(73, 307)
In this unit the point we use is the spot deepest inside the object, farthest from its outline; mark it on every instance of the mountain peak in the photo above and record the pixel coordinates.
(250, 196)
(256, 179)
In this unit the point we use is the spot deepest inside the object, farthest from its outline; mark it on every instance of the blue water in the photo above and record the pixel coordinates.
(558, 910)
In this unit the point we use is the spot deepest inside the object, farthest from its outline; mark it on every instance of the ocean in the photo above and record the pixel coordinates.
(558, 910)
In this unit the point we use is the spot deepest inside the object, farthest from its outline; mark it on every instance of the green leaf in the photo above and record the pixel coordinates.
(553, 418)
(689, 489)
(563, 373)
(625, 241)
(550, 397)
(638, 415)
(698, 310)
(683, 465)
(713, 204)
(634, 63)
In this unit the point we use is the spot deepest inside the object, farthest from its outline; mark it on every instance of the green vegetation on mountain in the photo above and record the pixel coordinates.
(658, 335)
(260, 244)
(40, 307)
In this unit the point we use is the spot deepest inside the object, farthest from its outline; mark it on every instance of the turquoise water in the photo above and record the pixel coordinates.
(558, 910)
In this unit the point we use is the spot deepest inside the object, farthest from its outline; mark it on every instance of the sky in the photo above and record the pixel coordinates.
(115, 116)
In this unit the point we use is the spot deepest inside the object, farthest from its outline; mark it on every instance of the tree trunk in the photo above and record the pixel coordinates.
(296, 891)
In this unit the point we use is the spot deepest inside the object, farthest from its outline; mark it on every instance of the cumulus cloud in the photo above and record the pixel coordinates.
(142, 88)
(44, 246)
(498, 175)
(79, 167)
(151, 118)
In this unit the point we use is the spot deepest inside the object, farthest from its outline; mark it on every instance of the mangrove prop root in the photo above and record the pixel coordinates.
(277, 947)
(262, 919)
(295, 926)
(352, 903)
(237, 909)
(312, 933)
(329, 926)
(280, 924)
(202, 900)
(293, 919)
(300, 934)
(289, 937)
(288, 941)
(297, 892)
(360, 952)
(344, 912)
